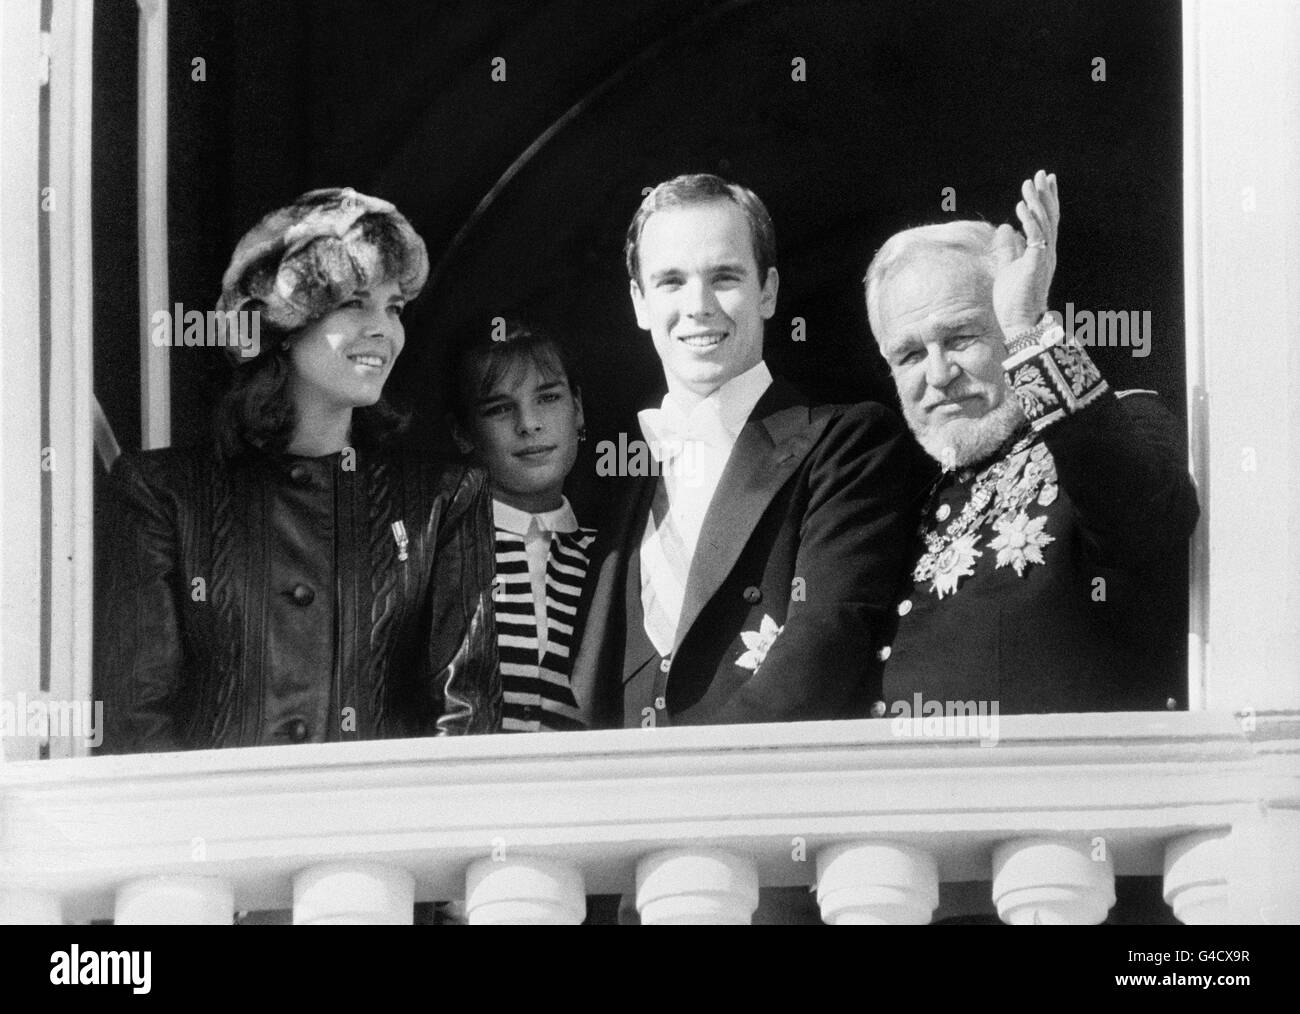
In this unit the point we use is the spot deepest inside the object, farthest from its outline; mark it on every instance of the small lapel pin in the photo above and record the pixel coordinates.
(399, 536)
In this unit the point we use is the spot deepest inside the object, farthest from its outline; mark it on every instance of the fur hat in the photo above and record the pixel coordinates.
(298, 262)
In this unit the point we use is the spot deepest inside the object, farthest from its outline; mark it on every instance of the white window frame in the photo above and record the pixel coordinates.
(30, 59)
(1241, 227)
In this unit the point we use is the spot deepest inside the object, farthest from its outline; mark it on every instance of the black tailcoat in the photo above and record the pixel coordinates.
(808, 527)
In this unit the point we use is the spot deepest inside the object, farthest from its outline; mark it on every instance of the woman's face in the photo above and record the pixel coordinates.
(524, 431)
(343, 359)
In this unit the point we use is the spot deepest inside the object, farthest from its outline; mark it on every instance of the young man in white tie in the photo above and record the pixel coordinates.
(748, 578)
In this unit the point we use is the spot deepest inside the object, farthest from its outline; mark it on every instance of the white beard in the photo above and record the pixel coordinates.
(961, 442)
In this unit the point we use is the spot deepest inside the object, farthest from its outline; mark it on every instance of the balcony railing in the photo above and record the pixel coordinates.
(688, 821)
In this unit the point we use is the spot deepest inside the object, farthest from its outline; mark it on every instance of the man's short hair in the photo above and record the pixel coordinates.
(701, 188)
(967, 238)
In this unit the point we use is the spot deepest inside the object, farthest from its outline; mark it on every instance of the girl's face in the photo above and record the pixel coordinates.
(524, 431)
(343, 359)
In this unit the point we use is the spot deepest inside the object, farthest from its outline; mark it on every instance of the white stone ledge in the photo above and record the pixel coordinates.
(601, 801)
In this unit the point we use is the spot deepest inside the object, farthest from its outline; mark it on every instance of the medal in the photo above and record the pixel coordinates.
(1004, 490)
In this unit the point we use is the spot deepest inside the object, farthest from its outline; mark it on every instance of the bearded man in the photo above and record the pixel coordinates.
(1049, 572)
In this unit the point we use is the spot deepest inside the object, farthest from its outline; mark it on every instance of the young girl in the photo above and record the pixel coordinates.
(299, 581)
(519, 416)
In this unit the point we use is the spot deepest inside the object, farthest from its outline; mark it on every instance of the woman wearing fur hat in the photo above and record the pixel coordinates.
(300, 581)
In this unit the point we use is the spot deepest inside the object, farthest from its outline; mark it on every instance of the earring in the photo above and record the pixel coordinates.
(582, 434)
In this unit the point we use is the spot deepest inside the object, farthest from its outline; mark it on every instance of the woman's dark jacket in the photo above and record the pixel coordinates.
(268, 600)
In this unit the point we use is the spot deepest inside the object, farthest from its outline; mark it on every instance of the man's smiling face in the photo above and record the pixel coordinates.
(700, 295)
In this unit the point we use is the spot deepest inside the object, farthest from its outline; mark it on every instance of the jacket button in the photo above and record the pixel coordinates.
(303, 595)
(665, 665)
(884, 653)
(904, 607)
(878, 709)
(752, 594)
(300, 474)
(297, 730)
(943, 512)
(660, 703)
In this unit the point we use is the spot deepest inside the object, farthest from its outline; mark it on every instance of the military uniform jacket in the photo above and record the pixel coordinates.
(791, 583)
(271, 599)
(1053, 577)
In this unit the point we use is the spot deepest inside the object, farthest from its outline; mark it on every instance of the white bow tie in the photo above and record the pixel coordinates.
(668, 430)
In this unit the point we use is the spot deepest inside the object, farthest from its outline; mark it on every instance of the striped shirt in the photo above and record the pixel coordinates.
(542, 562)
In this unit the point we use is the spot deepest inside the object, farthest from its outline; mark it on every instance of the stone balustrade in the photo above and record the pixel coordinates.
(688, 822)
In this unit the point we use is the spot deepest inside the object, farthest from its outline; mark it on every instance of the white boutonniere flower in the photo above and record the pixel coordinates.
(759, 642)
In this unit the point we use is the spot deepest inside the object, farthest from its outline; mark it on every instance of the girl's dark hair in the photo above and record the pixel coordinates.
(520, 344)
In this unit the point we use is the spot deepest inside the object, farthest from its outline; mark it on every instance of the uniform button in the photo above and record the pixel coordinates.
(884, 653)
(752, 594)
(943, 512)
(297, 730)
(300, 474)
(904, 607)
(1172, 704)
(303, 595)
(878, 709)
(665, 665)
(660, 703)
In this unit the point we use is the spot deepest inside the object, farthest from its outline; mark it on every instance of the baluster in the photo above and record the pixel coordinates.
(353, 894)
(524, 890)
(175, 901)
(876, 883)
(696, 886)
(1050, 881)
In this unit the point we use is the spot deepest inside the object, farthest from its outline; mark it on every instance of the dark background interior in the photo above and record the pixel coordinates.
(902, 99)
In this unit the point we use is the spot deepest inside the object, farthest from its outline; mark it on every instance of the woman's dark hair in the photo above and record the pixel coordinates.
(520, 344)
(256, 410)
